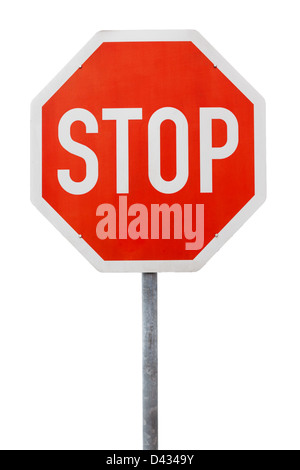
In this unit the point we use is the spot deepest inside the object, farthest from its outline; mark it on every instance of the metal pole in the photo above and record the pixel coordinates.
(150, 408)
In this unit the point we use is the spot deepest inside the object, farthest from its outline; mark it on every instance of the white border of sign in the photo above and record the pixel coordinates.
(260, 152)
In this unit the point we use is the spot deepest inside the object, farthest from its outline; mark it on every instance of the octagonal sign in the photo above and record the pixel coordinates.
(148, 151)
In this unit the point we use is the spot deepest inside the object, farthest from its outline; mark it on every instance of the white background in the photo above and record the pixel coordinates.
(229, 335)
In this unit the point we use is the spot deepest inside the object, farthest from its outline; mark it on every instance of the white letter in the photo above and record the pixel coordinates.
(208, 153)
(108, 221)
(189, 233)
(122, 116)
(80, 150)
(182, 153)
(153, 456)
(165, 211)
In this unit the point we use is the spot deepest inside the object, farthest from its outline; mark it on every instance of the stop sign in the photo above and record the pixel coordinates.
(148, 151)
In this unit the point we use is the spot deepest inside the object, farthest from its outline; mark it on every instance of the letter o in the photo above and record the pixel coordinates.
(182, 152)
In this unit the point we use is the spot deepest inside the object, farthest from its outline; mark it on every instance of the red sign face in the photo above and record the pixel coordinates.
(150, 151)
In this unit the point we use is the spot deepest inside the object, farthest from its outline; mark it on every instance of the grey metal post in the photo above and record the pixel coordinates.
(150, 407)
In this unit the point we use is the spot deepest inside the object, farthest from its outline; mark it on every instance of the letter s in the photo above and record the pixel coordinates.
(80, 150)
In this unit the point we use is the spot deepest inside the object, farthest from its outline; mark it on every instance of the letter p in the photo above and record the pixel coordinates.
(208, 153)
